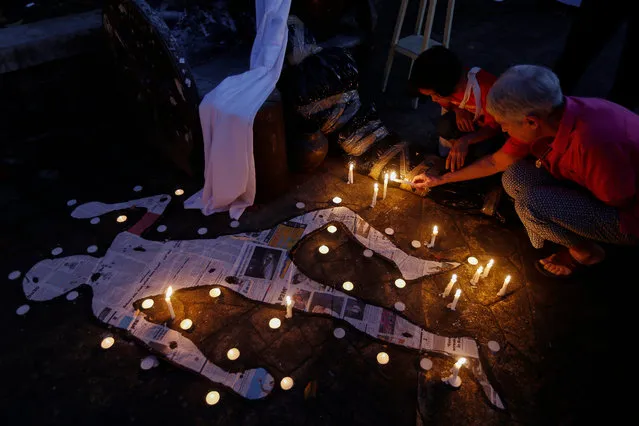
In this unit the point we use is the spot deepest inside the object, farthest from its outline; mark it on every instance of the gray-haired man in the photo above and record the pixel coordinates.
(582, 189)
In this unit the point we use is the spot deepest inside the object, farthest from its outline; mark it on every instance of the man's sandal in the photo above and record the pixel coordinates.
(561, 258)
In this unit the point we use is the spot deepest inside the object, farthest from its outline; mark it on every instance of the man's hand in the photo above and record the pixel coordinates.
(464, 120)
(457, 155)
(425, 181)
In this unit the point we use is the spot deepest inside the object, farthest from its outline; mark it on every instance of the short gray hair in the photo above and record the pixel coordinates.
(525, 90)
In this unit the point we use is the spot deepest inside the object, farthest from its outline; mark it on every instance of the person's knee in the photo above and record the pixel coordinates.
(512, 180)
(532, 204)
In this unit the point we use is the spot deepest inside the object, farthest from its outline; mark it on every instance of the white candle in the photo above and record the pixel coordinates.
(332, 229)
(502, 290)
(348, 286)
(400, 283)
(385, 186)
(491, 262)
(351, 166)
(233, 354)
(215, 292)
(212, 398)
(375, 191)
(393, 176)
(147, 303)
(121, 219)
(477, 275)
(450, 285)
(337, 200)
(289, 307)
(323, 249)
(107, 342)
(452, 306)
(179, 192)
(167, 297)
(433, 237)
(185, 324)
(454, 380)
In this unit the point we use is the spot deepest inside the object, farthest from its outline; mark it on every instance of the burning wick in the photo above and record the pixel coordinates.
(491, 262)
(452, 306)
(433, 237)
(502, 290)
(450, 285)
(289, 307)
(477, 275)
(167, 297)
(454, 380)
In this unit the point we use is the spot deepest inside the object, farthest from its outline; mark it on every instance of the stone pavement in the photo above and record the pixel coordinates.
(562, 357)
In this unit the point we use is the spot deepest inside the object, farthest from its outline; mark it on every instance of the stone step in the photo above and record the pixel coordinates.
(33, 44)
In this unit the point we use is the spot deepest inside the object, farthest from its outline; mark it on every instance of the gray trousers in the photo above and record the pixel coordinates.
(560, 211)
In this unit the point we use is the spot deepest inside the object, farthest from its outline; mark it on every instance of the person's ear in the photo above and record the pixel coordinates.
(532, 122)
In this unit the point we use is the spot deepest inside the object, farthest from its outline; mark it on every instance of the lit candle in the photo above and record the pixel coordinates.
(477, 275)
(323, 249)
(107, 342)
(348, 286)
(383, 358)
(502, 290)
(393, 176)
(385, 186)
(454, 380)
(179, 192)
(375, 191)
(473, 260)
(215, 292)
(450, 285)
(332, 229)
(400, 283)
(433, 237)
(351, 166)
(487, 270)
(289, 307)
(167, 297)
(121, 219)
(212, 398)
(286, 383)
(452, 306)
(147, 304)
(337, 200)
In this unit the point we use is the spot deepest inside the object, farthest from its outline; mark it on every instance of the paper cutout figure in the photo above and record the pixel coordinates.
(134, 268)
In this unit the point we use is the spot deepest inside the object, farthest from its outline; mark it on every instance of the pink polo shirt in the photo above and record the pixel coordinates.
(597, 146)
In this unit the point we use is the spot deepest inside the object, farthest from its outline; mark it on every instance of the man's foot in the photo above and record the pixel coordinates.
(566, 262)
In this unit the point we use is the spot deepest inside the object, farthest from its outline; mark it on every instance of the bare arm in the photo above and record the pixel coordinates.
(482, 134)
(486, 166)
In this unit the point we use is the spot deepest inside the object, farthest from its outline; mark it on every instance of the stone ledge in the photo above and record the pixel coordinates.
(33, 44)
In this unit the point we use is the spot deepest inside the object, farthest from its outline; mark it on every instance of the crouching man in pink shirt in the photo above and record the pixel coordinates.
(581, 186)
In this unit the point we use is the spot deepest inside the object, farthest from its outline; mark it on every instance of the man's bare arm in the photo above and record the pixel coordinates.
(486, 166)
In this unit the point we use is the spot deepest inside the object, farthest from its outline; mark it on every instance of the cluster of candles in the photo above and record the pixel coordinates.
(481, 272)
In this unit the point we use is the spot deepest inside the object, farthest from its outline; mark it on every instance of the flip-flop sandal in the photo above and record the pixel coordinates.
(565, 259)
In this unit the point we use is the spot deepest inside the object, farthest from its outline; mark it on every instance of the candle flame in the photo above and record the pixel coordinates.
(458, 293)
(288, 301)
(480, 269)
(169, 292)
(507, 280)
(435, 230)
(491, 262)
(453, 278)
(393, 175)
(376, 185)
(351, 166)
(460, 362)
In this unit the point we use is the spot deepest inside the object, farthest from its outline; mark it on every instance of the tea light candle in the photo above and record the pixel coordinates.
(121, 218)
(454, 380)
(233, 354)
(473, 261)
(289, 307)
(383, 358)
(147, 303)
(502, 290)
(215, 292)
(185, 324)
(450, 285)
(433, 237)
(491, 262)
(351, 166)
(286, 383)
(332, 229)
(107, 342)
(337, 200)
(212, 397)
(475, 279)
(452, 306)
(179, 192)
(375, 191)
(348, 286)
(167, 298)
(323, 249)
(275, 323)
(385, 186)
(400, 283)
